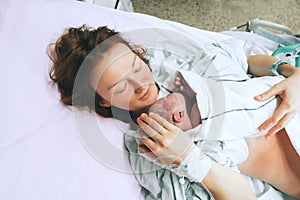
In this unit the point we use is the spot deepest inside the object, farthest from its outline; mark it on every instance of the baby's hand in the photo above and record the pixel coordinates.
(183, 86)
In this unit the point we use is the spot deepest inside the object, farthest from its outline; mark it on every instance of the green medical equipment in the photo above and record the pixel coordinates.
(289, 54)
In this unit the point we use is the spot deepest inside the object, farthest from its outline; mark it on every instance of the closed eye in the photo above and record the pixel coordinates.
(121, 87)
(137, 68)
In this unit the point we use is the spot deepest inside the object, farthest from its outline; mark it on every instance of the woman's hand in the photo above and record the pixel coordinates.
(288, 91)
(166, 144)
(163, 142)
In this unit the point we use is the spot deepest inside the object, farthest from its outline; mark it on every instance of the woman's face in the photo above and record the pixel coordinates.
(123, 80)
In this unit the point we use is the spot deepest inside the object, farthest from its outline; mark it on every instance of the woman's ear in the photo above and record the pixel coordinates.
(104, 103)
(178, 116)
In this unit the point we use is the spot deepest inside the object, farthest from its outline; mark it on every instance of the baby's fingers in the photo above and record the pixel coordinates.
(178, 83)
(146, 151)
(178, 79)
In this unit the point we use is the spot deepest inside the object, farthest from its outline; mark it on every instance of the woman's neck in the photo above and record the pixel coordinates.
(135, 114)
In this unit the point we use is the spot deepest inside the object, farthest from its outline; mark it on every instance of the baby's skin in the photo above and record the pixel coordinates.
(173, 108)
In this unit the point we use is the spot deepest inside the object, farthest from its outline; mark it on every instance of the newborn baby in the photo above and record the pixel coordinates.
(174, 109)
(218, 115)
(217, 110)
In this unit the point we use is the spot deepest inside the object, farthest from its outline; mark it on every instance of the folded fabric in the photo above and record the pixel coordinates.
(225, 62)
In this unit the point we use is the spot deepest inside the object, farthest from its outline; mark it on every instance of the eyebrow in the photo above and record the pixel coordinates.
(132, 64)
(109, 88)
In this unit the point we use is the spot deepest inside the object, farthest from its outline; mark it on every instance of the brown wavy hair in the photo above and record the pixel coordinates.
(77, 47)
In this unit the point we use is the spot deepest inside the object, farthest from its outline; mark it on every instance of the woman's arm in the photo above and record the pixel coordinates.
(287, 90)
(226, 184)
(166, 144)
(258, 66)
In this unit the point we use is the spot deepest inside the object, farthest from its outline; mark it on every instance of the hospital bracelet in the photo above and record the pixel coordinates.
(194, 167)
(274, 67)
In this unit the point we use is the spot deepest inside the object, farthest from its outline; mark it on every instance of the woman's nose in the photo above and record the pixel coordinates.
(140, 89)
(137, 84)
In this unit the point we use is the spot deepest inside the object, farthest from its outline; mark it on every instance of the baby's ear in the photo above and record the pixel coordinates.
(178, 116)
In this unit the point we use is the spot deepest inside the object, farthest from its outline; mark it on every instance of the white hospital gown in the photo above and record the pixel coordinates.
(225, 120)
(229, 114)
(228, 104)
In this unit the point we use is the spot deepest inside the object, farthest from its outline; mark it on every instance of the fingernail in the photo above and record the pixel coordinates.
(267, 137)
(258, 97)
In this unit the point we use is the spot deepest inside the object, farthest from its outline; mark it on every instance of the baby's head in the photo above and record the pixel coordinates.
(173, 109)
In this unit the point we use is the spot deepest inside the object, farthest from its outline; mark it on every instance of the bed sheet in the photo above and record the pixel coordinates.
(42, 153)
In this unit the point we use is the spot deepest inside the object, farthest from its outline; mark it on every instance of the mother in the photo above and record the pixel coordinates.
(119, 79)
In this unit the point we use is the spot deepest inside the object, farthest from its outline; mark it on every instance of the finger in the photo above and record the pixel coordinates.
(146, 140)
(146, 152)
(152, 133)
(177, 83)
(152, 125)
(178, 79)
(142, 134)
(178, 74)
(275, 90)
(149, 148)
(280, 125)
(181, 88)
(163, 122)
(143, 149)
(168, 159)
(282, 110)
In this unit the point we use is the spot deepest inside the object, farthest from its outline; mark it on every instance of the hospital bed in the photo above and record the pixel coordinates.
(48, 151)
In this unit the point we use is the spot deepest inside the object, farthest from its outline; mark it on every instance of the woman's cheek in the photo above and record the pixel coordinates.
(134, 103)
(122, 101)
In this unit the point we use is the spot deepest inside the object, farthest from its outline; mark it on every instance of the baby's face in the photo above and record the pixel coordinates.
(173, 109)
